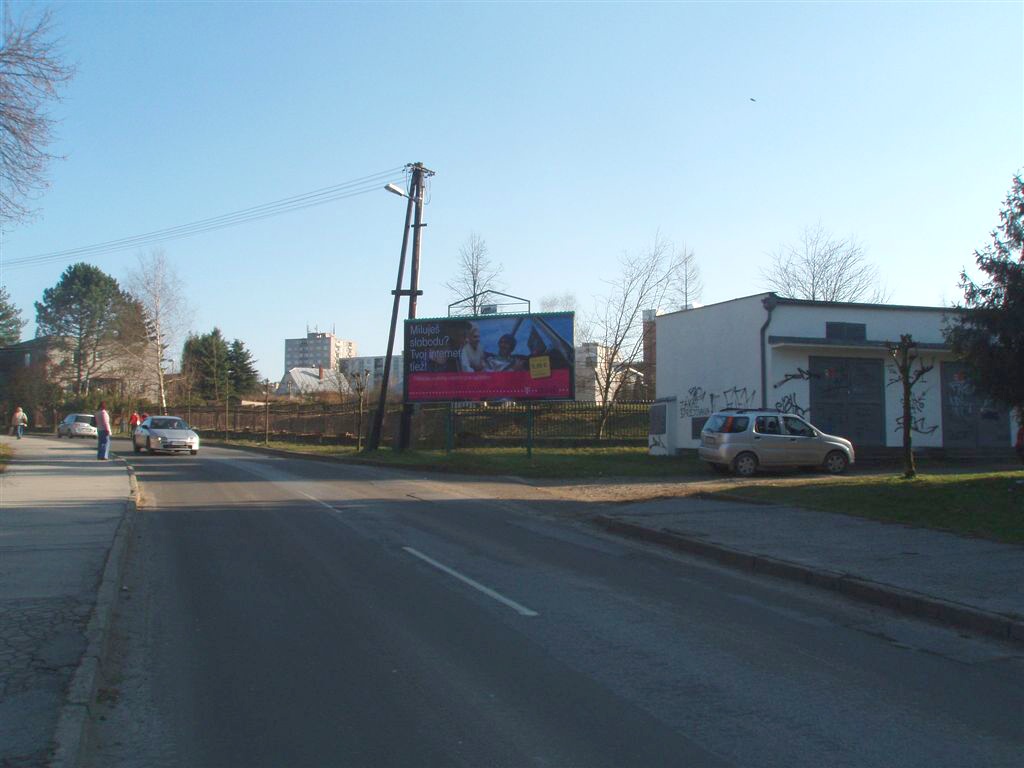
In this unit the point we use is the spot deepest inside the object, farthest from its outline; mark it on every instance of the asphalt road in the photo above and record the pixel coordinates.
(280, 612)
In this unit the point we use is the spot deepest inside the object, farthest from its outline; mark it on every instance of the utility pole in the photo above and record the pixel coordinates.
(405, 428)
(266, 411)
(415, 197)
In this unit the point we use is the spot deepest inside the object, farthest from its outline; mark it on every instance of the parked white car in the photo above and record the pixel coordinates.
(165, 433)
(77, 425)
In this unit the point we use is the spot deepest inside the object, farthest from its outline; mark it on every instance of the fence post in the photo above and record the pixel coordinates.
(529, 429)
(449, 429)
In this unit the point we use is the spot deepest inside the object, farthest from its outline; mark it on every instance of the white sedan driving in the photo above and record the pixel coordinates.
(165, 433)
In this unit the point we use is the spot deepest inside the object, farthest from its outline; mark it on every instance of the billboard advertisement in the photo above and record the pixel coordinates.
(490, 357)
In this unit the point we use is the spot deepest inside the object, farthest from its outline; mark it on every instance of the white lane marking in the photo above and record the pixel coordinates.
(520, 609)
(318, 501)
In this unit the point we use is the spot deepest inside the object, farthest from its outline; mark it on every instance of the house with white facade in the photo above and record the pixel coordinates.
(825, 361)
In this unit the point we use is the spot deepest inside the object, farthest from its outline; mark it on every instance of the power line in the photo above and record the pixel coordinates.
(360, 186)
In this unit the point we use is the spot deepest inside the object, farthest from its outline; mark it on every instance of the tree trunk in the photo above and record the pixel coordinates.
(909, 469)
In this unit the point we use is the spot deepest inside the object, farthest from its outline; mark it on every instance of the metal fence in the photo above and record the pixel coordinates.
(434, 426)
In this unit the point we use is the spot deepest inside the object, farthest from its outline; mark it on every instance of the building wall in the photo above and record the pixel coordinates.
(709, 358)
(789, 386)
(375, 365)
(315, 350)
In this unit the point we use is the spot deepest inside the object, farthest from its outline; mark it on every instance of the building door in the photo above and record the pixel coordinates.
(969, 419)
(848, 398)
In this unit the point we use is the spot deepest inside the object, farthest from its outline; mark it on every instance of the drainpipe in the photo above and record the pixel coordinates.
(769, 302)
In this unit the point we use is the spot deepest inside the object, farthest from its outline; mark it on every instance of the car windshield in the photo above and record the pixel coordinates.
(168, 424)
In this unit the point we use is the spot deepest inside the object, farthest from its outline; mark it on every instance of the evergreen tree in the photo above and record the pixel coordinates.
(10, 320)
(87, 312)
(206, 357)
(242, 368)
(989, 335)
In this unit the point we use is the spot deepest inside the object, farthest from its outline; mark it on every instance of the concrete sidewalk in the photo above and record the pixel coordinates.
(966, 582)
(60, 512)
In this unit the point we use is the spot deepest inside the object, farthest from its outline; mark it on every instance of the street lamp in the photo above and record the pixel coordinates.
(396, 190)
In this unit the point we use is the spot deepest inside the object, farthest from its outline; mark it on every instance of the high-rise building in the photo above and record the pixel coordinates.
(317, 349)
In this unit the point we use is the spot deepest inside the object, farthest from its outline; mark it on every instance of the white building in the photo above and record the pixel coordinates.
(312, 381)
(375, 366)
(828, 362)
(317, 349)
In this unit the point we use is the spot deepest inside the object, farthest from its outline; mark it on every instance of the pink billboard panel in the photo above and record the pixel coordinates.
(490, 357)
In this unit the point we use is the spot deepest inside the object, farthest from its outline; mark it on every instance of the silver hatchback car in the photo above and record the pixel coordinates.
(77, 425)
(742, 440)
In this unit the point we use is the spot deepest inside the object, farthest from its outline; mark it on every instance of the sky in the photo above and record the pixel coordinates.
(563, 134)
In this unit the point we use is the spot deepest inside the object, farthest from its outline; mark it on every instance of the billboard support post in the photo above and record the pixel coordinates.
(449, 429)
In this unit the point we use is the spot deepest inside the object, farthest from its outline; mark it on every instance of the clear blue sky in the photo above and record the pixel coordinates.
(562, 133)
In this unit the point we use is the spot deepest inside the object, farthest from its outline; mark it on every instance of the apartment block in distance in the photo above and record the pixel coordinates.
(316, 350)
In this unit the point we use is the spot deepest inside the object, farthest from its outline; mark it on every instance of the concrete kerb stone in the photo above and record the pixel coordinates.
(875, 593)
(71, 734)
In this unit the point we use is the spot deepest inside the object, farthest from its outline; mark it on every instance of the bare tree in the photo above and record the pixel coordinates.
(686, 285)
(822, 267)
(616, 324)
(30, 76)
(476, 273)
(159, 291)
(909, 369)
(565, 302)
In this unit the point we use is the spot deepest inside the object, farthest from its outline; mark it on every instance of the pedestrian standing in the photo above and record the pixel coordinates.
(103, 432)
(20, 421)
(133, 422)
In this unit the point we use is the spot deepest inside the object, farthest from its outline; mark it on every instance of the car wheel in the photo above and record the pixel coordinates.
(836, 462)
(194, 452)
(136, 447)
(149, 445)
(745, 465)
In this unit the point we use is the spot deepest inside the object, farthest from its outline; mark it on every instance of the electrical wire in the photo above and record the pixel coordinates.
(359, 186)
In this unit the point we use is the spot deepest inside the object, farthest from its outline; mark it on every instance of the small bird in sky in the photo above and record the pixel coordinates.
(752, 98)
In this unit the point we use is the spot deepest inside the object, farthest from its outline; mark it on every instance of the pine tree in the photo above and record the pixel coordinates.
(241, 365)
(989, 335)
(10, 320)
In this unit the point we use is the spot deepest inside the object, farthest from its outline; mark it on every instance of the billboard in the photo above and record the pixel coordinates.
(490, 357)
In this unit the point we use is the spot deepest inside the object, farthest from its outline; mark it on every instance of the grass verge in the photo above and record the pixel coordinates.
(545, 463)
(988, 504)
(5, 456)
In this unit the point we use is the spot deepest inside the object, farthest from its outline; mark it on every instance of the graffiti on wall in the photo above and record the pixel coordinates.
(960, 396)
(700, 402)
(800, 375)
(918, 422)
(789, 404)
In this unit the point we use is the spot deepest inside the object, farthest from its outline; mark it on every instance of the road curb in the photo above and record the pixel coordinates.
(995, 625)
(70, 736)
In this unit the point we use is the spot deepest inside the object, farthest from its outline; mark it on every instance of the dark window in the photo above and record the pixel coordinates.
(658, 419)
(767, 425)
(798, 427)
(696, 425)
(730, 424)
(846, 331)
